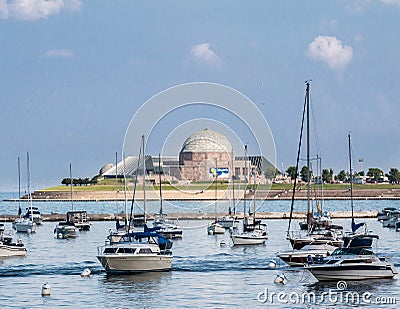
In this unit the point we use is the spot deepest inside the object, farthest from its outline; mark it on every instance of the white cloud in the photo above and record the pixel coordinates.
(203, 52)
(330, 50)
(59, 53)
(35, 9)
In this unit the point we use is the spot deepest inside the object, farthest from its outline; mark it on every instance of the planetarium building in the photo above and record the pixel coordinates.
(205, 155)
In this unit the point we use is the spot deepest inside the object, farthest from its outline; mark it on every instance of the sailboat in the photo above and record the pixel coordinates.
(167, 227)
(315, 234)
(215, 227)
(229, 221)
(24, 224)
(142, 251)
(254, 232)
(354, 239)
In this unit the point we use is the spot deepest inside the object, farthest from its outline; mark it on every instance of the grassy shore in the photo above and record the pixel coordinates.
(109, 185)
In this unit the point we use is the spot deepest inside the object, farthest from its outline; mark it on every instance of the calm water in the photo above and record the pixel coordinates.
(203, 275)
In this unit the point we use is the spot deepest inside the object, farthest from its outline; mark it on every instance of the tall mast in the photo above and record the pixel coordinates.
(144, 180)
(159, 177)
(245, 180)
(116, 184)
(254, 197)
(71, 182)
(19, 188)
(351, 180)
(308, 156)
(233, 182)
(216, 182)
(125, 198)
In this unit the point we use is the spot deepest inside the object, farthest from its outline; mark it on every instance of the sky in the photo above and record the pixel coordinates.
(75, 72)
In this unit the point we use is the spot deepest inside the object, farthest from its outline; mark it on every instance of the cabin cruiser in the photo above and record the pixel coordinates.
(137, 252)
(385, 213)
(215, 228)
(258, 235)
(393, 217)
(352, 263)
(65, 229)
(167, 227)
(228, 222)
(34, 214)
(300, 257)
(24, 225)
(7, 247)
(332, 236)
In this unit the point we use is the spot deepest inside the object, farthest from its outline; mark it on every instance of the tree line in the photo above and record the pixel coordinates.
(374, 173)
(77, 181)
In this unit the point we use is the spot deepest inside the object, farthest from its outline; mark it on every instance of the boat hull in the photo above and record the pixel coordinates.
(135, 263)
(65, 232)
(297, 259)
(8, 251)
(25, 227)
(248, 240)
(333, 273)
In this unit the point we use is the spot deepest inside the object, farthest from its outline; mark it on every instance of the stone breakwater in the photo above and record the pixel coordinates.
(175, 195)
(206, 216)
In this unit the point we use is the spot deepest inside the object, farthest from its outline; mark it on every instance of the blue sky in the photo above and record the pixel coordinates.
(74, 72)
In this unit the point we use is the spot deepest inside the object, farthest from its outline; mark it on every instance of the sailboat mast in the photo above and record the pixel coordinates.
(254, 197)
(159, 177)
(144, 180)
(233, 183)
(125, 198)
(308, 156)
(245, 180)
(216, 182)
(19, 186)
(71, 182)
(116, 184)
(351, 181)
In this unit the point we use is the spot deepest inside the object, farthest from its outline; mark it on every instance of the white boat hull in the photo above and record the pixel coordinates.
(65, 231)
(344, 273)
(215, 229)
(8, 251)
(24, 226)
(248, 240)
(135, 263)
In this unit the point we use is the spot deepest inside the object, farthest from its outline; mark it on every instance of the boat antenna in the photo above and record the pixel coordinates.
(245, 181)
(216, 188)
(297, 165)
(144, 180)
(233, 185)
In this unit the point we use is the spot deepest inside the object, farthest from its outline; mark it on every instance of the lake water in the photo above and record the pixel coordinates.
(204, 275)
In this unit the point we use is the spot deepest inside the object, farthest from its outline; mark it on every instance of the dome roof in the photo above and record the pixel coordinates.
(207, 141)
(105, 168)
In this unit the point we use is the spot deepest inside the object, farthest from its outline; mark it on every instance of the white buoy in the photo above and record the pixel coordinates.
(222, 243)
(59, 235)
(280, 279)
(86, 272)
(19, 241)
(272, 264)
(29, 231)
(46, 289)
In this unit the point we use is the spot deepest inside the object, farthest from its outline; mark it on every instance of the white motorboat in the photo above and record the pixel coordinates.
(215, 228)
(7, 247)
(352, 263)
(137, 252)
(24, 225)
(34, 214)
(385, 213)
(65, 230)
(228, 222)
(391, 221)
(301, 257)
(256, 237)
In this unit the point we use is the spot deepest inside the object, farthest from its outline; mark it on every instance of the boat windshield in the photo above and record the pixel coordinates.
(352, 251)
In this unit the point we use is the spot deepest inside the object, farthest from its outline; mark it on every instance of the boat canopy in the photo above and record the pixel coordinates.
(352, 251)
